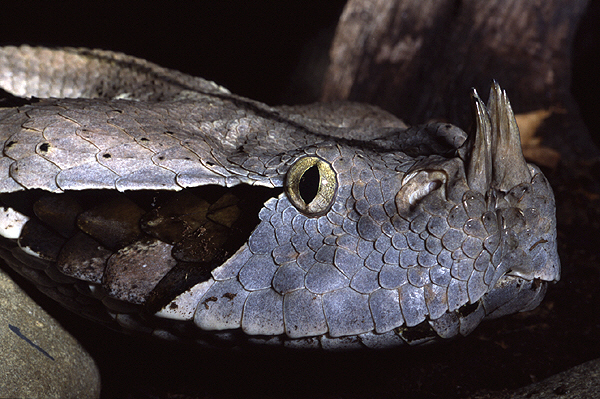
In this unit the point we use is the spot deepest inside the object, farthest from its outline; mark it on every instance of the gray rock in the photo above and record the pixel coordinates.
(39, 359)
(579, 382)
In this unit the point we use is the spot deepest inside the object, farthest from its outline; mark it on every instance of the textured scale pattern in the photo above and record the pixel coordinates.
(418, 233)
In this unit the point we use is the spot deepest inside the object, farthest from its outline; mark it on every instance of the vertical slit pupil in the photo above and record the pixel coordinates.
(309, 184)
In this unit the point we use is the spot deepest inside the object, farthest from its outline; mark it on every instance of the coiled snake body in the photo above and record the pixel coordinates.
(157, 202)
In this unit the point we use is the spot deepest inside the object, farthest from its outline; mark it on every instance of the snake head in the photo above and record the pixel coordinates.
(363, 233)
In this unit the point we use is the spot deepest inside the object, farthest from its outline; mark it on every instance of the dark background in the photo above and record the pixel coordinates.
(252, 48)
(272, 51)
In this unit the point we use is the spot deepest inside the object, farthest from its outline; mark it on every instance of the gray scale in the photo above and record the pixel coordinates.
(310, 227)
(368, 229)
(426, 259)
(474, 204)
(408, 258)
(262, 241)
(288, 217)
(303, 314)
(288, 277)
(325, 254)
(415, 242)
(349, 226)
(323, 278)
(347, 207)
(382, 244)
(347, 262)
(365, 248)
(300, 241)
(515, 195)
(391, 256)
(315, 241)
(306, 259)
(390, 208)
(335, 218)
(391, 276)
(457, 294)
(461, 269)
(472, 247)
(527, 237)
(365, 281)
(358, 189)
(283, 236)
(385, 308)
(512, 218)
(373, 192)
(539, 260)
(490, 222)
(436, 300)
(284, 253)
(457, 217)
(298, 224)
(381, 341)
(374, 261)
(433, 245)
(412, 303)
(221, 307)
(445, 259)
(388, 229)
(489, 275)
(366, 175)
(340, 304)
(453, 239)
(458, 254)
(329, 153)
(474, 227)
(400, 223)
(378, 214)
(324, 226)
(492, 242)
(476, 287)
(418, 276)
(263, 313)
(399, 241)
(419, 223)
(332, 238)
(257, 273)
(482, 261)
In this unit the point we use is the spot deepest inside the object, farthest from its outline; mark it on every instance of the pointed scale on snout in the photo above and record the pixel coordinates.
(496, 158)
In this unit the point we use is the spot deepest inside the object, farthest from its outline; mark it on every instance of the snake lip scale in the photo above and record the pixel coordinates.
(160, 203)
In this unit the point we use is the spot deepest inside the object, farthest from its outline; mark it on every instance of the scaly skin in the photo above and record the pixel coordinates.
(406, 234)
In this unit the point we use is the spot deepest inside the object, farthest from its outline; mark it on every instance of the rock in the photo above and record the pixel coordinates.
(39, 359)
(579, 382)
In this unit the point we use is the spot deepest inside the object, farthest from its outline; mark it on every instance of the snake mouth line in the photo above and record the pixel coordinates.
(142, 247)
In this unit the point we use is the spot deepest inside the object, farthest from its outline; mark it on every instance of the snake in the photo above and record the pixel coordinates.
(159, 203)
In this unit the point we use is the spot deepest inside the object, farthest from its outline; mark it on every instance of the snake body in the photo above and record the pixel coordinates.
(157, 202)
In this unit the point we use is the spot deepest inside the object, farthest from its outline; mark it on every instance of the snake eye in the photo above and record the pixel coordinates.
(311, 185)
